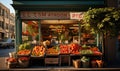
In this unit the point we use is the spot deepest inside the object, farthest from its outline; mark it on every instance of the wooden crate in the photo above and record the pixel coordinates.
(51, 60)
(64, 59)
(12, 65)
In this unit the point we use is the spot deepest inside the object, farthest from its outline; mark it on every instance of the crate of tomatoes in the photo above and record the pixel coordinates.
(11, 62)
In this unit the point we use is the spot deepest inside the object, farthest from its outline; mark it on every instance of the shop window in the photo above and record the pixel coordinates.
(13, 28)
(30, 31)
(6, 14)
(7, 26)
(0, 11)
(2, 24)
(118, 3)
(58, 37)
(58, 30)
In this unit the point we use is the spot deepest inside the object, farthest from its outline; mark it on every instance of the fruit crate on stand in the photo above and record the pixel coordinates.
(64, 56)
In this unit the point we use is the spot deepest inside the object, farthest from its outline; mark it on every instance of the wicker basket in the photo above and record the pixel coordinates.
(93, 64)
(77, 63)
(100, 63)
(23, 63)
(11, 65)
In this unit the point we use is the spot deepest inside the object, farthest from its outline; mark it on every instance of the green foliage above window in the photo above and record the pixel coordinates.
(105, 20)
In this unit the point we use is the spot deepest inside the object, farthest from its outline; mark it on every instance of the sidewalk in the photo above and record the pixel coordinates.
(2, 63)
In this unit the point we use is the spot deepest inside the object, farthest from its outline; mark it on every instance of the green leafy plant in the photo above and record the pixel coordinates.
(103, 20)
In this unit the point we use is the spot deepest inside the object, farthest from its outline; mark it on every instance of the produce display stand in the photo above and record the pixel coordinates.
(44, 53)
(60, 59)
(67, 55)
(40, 20)
(61, 54)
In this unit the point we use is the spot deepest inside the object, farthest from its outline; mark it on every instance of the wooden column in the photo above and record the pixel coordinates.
(97, 40)
(18, 30)
(79, 35)
(40, 33)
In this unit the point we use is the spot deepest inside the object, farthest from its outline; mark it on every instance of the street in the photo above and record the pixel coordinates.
(5, 52)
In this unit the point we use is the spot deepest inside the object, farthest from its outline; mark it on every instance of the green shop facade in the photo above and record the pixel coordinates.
(42, 10)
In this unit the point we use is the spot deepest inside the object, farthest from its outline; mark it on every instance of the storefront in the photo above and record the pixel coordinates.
(46, 6)
(55, 24)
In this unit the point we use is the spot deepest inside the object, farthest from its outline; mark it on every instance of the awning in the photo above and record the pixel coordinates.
(60, 5)
(2, 30)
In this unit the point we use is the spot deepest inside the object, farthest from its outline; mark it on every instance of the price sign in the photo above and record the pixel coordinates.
(76, 15)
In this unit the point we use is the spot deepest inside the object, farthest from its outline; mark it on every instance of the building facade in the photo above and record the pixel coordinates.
(113, 3)
(118, 2)
(12, 26)
(113, 45)
(63, 5)
(6, 22)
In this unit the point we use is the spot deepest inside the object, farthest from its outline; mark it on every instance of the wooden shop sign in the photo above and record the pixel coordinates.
(44, 15)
